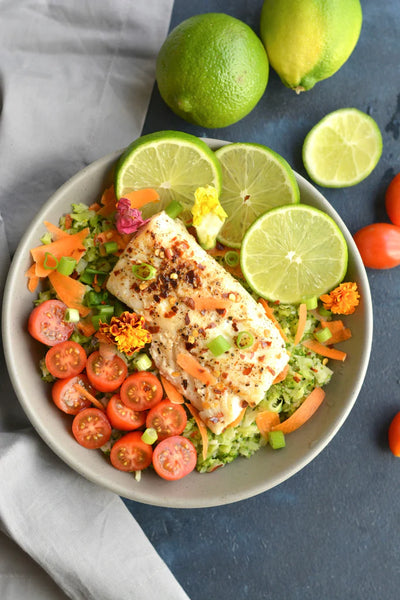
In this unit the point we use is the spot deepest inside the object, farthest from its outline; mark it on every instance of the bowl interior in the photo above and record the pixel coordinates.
(241, 479)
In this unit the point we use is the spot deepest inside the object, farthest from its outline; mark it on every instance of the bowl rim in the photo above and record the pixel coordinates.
(122, 490)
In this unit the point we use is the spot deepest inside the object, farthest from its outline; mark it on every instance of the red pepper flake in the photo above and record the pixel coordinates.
(271, 370)
(247, 370)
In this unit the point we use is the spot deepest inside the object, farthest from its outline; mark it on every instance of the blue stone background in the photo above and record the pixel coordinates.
(332, 531)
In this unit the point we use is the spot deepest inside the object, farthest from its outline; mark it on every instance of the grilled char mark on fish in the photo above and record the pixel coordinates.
(184, 274)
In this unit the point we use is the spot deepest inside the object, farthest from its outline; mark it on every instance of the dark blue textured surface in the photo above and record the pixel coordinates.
(331, 531)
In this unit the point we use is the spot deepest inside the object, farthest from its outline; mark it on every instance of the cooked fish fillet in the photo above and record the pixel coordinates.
(185, 273)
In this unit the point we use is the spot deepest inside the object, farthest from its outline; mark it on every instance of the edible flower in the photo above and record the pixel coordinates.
(127, 332)
(342, 300)
(208, 215)
(128, 219)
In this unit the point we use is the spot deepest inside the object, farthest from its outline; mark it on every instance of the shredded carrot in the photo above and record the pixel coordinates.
(70, 291)
(339, 332)
(202, 428)
(95, 206)
(173, 395)
(324, 350)
(301, 323)
(192, 366)
(303, 413)
(108, 202)
(238, 419)
(88, 396)
(210, 303)
(270, 314)
(68, 221)
(282, 375)
(56, 232)
(86, 327)
(266, 420)
(112, 235)
(139, 198)
(70, 245)
(33, 279)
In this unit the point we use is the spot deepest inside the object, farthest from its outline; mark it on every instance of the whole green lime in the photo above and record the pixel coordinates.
(212, 70)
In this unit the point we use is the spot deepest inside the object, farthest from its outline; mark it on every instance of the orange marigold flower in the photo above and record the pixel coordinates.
(127, 332)
(342, 300)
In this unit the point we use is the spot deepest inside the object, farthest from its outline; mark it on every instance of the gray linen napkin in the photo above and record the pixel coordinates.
(76, 77)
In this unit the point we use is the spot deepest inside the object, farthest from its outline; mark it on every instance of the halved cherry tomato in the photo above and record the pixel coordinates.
(379, 245)
(67, 398)
(105, 374)
(91, 428)
(141, 391)
(392, 200)
(174, 458)
(130, 453)
(167, 419)
(122, 417)
(65, 359)
(46, 323)
(394, 435)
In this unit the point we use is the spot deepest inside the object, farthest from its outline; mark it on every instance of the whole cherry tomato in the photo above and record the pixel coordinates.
(392, 200)
(394, 435)
(379, 245)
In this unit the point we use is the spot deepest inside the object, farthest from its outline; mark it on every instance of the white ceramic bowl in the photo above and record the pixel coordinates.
(241, 479)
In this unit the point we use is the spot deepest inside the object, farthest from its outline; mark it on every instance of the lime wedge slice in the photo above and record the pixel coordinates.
(342, 149)
(173, 163)
(293, 252)
(254, 179)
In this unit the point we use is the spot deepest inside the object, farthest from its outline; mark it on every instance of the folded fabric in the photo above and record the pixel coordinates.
(76, 78)
(82, 535)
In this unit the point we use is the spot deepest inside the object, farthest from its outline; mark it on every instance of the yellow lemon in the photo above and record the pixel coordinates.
(309, 40)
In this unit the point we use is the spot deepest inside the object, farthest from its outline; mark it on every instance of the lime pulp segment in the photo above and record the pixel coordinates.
(254, 179)
(343, 148)
(173, 163)
(294, 252)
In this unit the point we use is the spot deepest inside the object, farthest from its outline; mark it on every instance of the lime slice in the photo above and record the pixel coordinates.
(293, 252)
(254, 179)
(173, 163)
(343, 148)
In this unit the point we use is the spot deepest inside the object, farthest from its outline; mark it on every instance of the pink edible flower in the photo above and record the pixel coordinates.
(128, 220)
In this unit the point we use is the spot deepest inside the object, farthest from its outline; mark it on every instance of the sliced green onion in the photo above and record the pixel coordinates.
(276, 439)
(244, 340)
(66, 265)
(71, 315)
(110, 247)
(95, 298)
(231, 258)
(86, 277)
(46, 238)
(324, 312)
(323, 334)
(142, 362)
(174, 209)
(96, 321)
(149, 436)
(96, 271)
(48, 257)
(105, 310)
(144, 271)
(219, 345)
(311, 303)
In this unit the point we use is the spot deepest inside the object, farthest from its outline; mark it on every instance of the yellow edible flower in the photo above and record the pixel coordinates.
(127, 332)
(342, 300)
(206, 202)
(208, 216)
